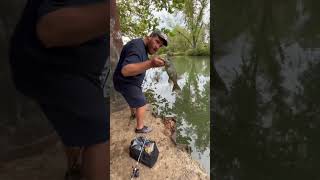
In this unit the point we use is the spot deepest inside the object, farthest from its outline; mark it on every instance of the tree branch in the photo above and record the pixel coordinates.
(185, 37)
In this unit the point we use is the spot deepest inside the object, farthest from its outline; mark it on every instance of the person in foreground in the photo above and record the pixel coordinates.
(130, 72)
(57, 53)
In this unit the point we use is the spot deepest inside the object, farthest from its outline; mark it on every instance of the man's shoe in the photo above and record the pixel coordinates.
(145, 129)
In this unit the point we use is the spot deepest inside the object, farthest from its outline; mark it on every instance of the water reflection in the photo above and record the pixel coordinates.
(190, 105)
(266, 126)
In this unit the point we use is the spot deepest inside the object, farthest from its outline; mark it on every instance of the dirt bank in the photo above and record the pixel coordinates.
(172, 163)
(48, 165)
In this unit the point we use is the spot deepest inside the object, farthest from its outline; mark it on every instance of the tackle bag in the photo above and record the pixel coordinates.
(149, 154)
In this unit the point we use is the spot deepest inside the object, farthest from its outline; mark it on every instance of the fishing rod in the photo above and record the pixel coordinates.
(135, 171)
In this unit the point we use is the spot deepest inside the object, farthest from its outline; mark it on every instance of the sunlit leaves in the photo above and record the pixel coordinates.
(137, 18)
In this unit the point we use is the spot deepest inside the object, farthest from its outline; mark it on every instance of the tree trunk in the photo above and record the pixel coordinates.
(194, 42)
(116, 44)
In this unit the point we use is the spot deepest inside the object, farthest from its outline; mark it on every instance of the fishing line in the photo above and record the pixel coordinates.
(135, 171)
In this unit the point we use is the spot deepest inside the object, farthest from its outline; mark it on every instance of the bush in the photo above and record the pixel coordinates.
(179, 54)
(202, 51)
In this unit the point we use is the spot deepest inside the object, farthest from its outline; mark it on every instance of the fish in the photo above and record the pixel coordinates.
(172, 73)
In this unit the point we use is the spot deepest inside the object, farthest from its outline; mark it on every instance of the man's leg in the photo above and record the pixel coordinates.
(141, 128)
(132, 116)
(133, 113)
(140, 116)
(74, 162)
(96, 162)
(73, 156)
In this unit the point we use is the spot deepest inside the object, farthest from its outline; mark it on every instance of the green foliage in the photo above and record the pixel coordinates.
(201, 51)
(194, 11)
(177, 39)
(180, 46)
(194, 35)
(179, 54)
(136, 18)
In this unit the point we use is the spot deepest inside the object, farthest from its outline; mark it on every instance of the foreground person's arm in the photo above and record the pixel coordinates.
(73, 25)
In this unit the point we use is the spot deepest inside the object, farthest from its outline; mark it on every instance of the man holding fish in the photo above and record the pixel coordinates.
(131, 69)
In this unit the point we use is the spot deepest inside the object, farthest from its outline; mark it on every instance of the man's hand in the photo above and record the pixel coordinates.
(156, 61)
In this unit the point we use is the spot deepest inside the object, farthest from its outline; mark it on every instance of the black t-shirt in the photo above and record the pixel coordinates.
(133, 52)
(32, 63)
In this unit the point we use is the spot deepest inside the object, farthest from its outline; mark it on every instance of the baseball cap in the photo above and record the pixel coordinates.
(162, 35)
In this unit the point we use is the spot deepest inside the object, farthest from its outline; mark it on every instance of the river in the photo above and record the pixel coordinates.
(266, 123)
(190, 105)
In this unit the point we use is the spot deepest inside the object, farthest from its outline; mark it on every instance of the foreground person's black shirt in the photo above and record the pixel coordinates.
(33, 65)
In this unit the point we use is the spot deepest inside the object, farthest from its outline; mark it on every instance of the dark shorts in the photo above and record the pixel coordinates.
(132, 94)
(76, 108)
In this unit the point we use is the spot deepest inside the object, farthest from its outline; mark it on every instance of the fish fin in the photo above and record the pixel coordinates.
(176, 87)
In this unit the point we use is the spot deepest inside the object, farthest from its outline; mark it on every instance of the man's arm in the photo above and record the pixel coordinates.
(73, 25)
(138, 68)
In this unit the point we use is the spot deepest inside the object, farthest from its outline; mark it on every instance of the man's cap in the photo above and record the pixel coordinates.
(162, 35)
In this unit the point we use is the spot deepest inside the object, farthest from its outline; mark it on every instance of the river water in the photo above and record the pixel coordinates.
(266, 102)
(190, 105)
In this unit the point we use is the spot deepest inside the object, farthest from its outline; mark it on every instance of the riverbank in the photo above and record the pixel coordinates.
(49, 165)
(172, 163)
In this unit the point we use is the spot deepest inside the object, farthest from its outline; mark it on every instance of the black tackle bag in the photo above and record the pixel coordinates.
(150, 152)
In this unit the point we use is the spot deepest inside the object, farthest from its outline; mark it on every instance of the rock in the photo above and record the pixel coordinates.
(170, 123)
(166, 132)
(174, 138)
(184, 148)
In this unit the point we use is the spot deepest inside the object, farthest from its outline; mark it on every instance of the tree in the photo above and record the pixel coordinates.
(178, 42)
(137, 18)
(181, 44)
(194, 12)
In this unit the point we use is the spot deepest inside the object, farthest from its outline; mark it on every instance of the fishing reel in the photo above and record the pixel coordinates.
(135, 172)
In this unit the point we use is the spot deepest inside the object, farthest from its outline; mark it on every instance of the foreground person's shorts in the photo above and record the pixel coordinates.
(75, 106)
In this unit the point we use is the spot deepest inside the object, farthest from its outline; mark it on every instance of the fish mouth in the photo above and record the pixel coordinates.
(152, 51)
